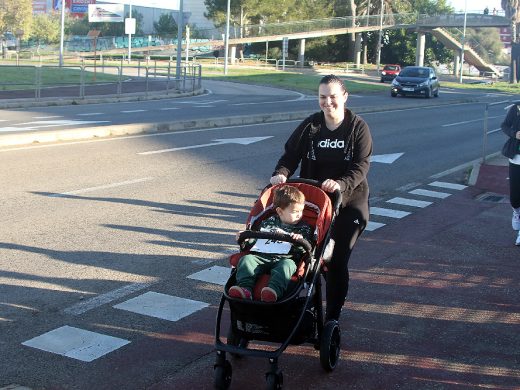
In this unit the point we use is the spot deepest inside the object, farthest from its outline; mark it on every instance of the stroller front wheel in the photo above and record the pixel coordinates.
(330, 345)
(223, 373)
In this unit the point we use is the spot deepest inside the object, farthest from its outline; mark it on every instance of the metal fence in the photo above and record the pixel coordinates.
(81, 81)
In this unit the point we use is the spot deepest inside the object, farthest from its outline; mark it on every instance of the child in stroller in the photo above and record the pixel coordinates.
(297, 316)
(279, 258)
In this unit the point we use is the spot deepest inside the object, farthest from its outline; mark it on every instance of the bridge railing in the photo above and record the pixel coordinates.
(259, 30)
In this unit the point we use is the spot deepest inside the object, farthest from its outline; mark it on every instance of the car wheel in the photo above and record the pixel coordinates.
(393, 94)
(428, 93)
(382, 80)
(436, 94)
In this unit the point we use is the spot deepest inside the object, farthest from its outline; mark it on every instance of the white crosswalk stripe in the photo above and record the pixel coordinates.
(166, 307)
(76, 343)
(371, 226)
(388, 212)
(431, 194)
(451, 186)
(409, 202)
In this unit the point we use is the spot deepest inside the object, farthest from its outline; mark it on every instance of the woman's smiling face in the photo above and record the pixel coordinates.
(332, 99)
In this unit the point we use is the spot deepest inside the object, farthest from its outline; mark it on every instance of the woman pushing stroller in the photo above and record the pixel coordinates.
(334, 147)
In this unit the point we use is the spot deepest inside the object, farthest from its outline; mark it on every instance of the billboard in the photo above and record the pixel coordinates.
(80, 6)
(106, 13)
(161, 4)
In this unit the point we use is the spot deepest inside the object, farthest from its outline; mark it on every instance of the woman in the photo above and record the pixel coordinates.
(333, 146)
(511, 128)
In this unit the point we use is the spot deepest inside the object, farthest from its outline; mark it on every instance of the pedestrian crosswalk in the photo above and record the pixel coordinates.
(87, 346)
(416, 198)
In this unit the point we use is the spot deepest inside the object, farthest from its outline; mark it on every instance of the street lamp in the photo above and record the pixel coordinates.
(226, 43)
(62, 31)
(380, 34)
(463, 39)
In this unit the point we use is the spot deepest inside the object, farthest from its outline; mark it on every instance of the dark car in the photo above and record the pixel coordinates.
(389, 72)
(416, 80)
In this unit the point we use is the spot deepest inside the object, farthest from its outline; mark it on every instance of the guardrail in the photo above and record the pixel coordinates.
(93, 80)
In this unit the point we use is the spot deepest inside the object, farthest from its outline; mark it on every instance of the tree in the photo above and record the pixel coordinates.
(165, 25)
(16, 15)
(46, 28)
(512, 10)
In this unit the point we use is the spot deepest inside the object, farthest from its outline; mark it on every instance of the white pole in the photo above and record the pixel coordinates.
(62, 33)
(180, 22)
(380, 34)
(130, 35)
(463, 40)
(226, 44)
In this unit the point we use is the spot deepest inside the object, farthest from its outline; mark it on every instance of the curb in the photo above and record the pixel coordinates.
(43, 137)
(127, 97)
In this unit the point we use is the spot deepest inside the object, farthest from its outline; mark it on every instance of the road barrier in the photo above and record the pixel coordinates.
(26, 81)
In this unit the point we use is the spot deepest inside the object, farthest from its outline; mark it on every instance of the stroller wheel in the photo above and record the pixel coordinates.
(330, 345)
(222, 378)
(274, 381)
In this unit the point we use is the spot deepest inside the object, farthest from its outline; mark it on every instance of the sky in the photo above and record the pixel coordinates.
(475, 5)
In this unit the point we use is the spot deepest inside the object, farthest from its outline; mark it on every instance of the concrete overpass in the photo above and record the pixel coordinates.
(302, 30)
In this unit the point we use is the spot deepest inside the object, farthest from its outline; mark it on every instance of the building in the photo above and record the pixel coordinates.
(193, 11)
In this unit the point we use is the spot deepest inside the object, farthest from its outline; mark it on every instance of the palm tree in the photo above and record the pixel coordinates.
(512, 10)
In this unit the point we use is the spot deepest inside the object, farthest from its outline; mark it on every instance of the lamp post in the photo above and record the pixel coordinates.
(226, 43)
(463, 40)
(62, 31)
(380, 37)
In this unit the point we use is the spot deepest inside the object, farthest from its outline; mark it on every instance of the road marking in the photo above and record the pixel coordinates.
(76, 343)
(166, 307)
(90, 189)
(216, 275)
(143, 136)
(42, 124)
(432, 194)
(169, 108)
(471, 121)
(100, 300)
(48, 117)
(451, 186)
(388, 212)
(409, 202)
(91, 113)
(241, 141)
(371, 226)
(132, 111)
(385, 158)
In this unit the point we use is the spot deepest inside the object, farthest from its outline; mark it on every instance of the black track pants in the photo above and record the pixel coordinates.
(348, 226)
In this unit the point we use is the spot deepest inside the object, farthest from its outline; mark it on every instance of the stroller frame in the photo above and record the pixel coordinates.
(307, 319)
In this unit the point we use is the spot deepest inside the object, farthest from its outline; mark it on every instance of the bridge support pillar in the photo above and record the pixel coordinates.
(456, 64)
(419, 51)
(301, 53)
(233, 54)
(357, 49)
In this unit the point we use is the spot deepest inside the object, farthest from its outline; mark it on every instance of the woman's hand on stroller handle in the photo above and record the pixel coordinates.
(277, 179)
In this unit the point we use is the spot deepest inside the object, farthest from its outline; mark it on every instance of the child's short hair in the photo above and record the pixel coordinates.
(287, 195)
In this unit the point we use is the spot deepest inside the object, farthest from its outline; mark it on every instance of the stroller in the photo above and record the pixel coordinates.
(297, 317)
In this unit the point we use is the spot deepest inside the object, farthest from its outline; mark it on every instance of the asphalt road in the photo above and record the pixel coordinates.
(220, 100)
(86, 226)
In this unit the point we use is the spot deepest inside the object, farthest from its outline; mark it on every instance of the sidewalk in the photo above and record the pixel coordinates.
(433, 304)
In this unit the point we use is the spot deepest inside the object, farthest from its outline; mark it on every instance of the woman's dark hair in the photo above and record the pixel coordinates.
(331, 78)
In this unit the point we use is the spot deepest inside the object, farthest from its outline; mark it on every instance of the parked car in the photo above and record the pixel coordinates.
(9, 40)
(389, 72)
(416, 80)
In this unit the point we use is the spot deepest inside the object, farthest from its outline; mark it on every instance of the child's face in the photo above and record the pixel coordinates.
(291, 214)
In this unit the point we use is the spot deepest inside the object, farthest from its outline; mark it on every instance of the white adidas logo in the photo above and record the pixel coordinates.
(336, 144)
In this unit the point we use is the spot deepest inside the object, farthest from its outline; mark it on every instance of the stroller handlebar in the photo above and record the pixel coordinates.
(246, 234)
